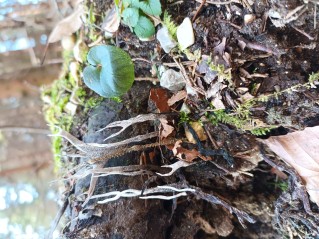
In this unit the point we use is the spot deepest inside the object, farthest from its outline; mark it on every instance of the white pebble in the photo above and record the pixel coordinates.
(185, 34)
(167, 43)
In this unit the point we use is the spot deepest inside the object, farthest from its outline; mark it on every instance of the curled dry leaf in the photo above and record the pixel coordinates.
(111, 21)
(166, 128)
(177, 97)
(67, 26)
(301, 151)
(186, 154)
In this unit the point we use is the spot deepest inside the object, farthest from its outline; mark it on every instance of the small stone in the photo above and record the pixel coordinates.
(185, 109)
(167, 43)
(190, 91)
(185, 34)
(70, 108)
(172, 80)
(68, 43)
(214, 89)
(218, 103)
(249, 18)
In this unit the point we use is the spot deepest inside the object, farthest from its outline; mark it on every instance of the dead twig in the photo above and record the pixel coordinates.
(199, 9)
(147, 79)
(58, 216)
(303, 33)
(141, 59)
(300, 188)
(188, 82)
(230, 23)
(185, 63)
(218, 3)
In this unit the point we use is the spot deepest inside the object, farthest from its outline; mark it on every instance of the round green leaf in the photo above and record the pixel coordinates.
(91, 76)
(115, 74)
(131, 3)
(151, 7)
(130, 16)
(144, 28)
(97, 55)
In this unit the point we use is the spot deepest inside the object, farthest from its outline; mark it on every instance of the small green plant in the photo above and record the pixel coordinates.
(312, 79)
(111, 71)
(221, 72)
(241, 117)
(282, 185)
(136, 15)
(170, 24)
(183, 117)
(116, 99)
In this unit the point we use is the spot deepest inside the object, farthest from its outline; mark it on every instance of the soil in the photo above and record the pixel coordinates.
(285, 57)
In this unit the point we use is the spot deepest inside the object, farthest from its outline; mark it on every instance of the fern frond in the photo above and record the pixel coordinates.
(170, 24)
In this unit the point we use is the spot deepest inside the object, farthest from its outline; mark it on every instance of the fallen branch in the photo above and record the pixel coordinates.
(219, 3)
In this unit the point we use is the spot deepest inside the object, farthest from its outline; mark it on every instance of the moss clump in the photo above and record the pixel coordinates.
(170, 24)
(56, 98)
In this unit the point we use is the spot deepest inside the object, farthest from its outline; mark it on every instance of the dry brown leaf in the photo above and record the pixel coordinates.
(279, 173)
(159, 98)
(198, 128)
(300, 150)
(166, 128)
(111, 21)
(186, 154)
(67, 26)
(177, 97)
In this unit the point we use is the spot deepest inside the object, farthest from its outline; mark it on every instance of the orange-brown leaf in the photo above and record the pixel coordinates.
(186, 154)
(177, 97)
(159, 97)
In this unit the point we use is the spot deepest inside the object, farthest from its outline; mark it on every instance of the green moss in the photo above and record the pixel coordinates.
(116, 99)
(56, 98)
(221, 72)
(313, 77)
(241, 119)
(282, 185)
(183, 117)
(170, 24)
(92, 102)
